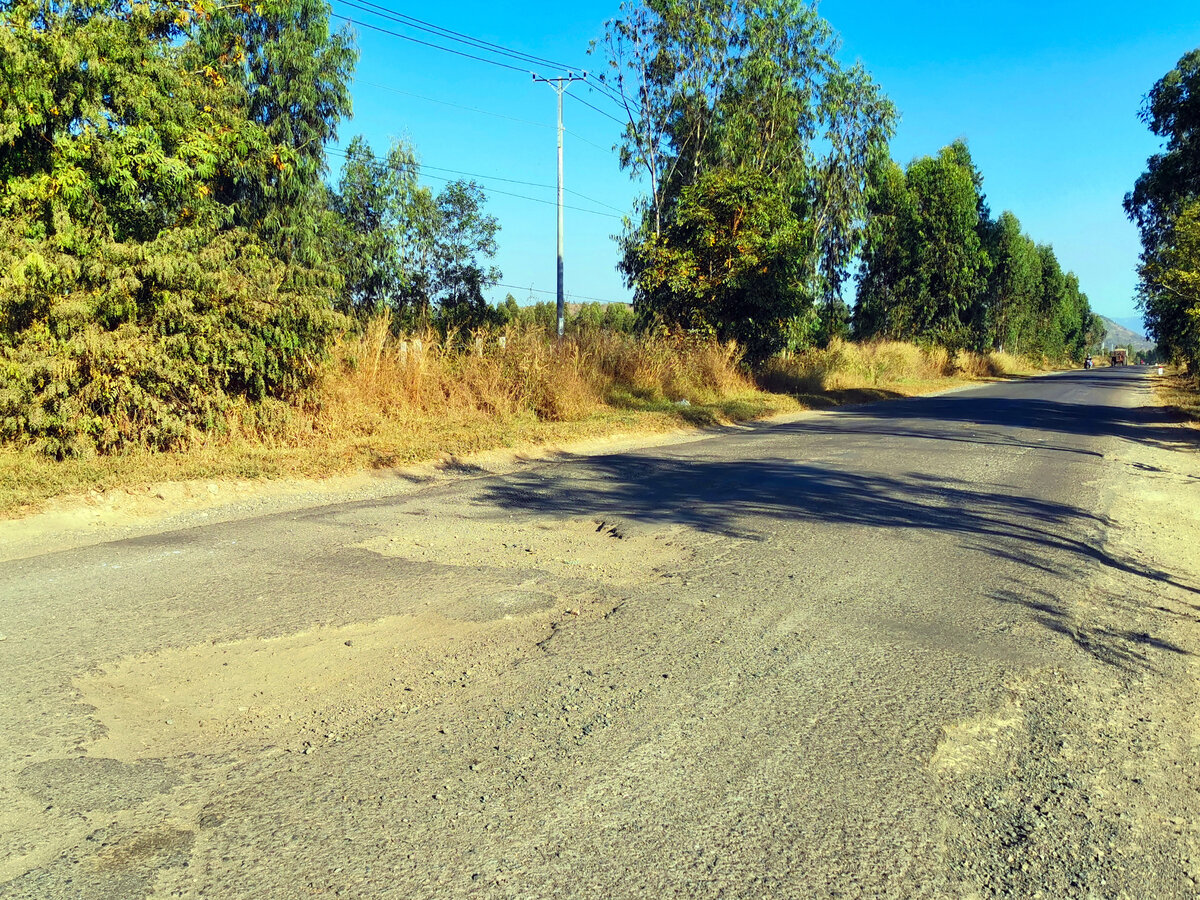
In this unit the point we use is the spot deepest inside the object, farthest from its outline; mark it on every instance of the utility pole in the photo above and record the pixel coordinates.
(560, 86)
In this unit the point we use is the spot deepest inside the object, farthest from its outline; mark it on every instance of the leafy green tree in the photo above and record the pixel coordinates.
(296, 74)
(374, 206)
(1163, 205)
(132, 308)
(1051, 300)
(885, 258)
(464, 245)
(1014, 289)
(925, 268)
(1172, 177)
(728, 263)
(1170, 284)
(752, 90)
(619, 317)
(510, 312)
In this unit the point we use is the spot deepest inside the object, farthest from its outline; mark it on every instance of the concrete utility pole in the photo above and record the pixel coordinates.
(560, 86)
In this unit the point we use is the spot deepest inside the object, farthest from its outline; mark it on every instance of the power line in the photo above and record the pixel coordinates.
(405, 37)
(475, 109)
(597, 109)
(419, 167)
(606, 90)
(482, 112)
(527, 184)
(594, 212)
(384, 12)
(597, 84)
(451, 34)
(533, 290)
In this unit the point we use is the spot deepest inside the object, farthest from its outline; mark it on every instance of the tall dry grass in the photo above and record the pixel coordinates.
(380, 378)
(844, 366)
(386, 399)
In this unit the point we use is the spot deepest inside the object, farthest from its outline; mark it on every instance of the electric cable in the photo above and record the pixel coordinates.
(451, 34)
(597, 109)
(570, 299)
(419, 167)
(405, 37)
(482, 112)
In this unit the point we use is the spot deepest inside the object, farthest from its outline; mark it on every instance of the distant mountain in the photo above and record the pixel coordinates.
(1117, 335)
(1133, 323)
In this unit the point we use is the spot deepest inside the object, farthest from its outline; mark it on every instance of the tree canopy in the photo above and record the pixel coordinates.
(937, 268)
(1165, 203)
(135, 301)
(724, 99)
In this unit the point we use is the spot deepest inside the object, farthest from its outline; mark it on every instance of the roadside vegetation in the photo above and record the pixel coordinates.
(195, 284)
(1180, 390)
(1165, 205)
(386, 400)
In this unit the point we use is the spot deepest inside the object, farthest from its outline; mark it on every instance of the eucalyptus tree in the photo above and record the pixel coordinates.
(375, 202)
(1164, 205)
(1172, 176)
(464, 245)
(1170, 285)
(1015, 285)
(925, 268)
(752, 89)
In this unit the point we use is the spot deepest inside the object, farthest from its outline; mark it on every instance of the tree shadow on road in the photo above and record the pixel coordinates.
(734, 498)
(970, 417)
(1121, 648)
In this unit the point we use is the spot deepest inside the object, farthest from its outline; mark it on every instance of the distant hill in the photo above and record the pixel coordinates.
(1133, 323)
(1117, 335)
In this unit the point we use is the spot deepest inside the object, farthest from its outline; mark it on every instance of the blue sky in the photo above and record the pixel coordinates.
(1045, 94)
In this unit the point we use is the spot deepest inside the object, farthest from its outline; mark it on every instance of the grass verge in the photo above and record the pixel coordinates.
(387, 401)
(1180, 392)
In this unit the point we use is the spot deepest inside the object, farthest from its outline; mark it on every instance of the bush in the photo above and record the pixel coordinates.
(157, 355)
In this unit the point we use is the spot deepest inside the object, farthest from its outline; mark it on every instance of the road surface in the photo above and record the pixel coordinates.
(941, 647)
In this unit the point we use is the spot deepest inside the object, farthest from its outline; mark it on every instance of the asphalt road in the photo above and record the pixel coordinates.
(887, 651)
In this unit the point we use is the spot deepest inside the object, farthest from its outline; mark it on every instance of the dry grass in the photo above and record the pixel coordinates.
(388, 401)
(884, 367)
(1180, 391)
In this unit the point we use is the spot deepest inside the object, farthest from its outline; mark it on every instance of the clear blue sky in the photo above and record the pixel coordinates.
(1046, 95)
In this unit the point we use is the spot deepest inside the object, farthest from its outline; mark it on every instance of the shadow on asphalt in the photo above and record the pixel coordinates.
(718, 496)
(958, 418)
(1117, 647)
(721, 496)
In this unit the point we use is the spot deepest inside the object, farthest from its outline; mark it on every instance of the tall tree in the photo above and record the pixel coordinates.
(728, 264)
(751, 88)
(1170, 285)
(1014, 289)
(132, 308)
(374, 203)
(1163, 204)
(295, 72)
(1172, 177)
(925, 266)
(465, 244)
